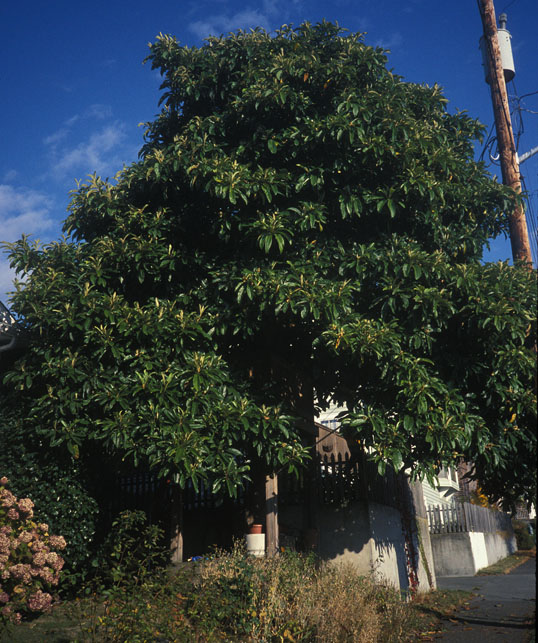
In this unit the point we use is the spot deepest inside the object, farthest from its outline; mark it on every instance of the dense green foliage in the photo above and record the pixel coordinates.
(524, 539)
(57, 486)
(302, 225)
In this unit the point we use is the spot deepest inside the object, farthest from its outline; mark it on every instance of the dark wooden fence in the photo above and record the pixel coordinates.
(142, 490)
(337, 480)
(465, 517)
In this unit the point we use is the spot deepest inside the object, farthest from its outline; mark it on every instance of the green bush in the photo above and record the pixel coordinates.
(29, 563)
(235, 597)
(524, 539)
(57, 485)
(130, 578)
(132, 551)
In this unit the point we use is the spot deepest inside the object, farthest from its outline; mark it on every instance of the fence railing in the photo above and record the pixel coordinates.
(465, 517)
(335, 480)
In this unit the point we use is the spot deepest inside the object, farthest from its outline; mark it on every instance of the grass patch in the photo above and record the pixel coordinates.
(57, 626)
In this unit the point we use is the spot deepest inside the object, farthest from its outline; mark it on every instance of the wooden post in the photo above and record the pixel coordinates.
(311, 536)
(271, 514)
(519, 236)
(176, 543)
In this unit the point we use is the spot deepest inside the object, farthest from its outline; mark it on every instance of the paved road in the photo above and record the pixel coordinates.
(501, 610)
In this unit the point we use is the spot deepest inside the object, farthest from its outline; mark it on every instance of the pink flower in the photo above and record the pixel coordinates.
(57, 566)
(5, 544)
(20, 572)
(4, 597)
(7, 498)
(45, 573)
(26, 505)
(25, 536)
(58, 542)
(13, 514)
(43, 527)
(52, 557)
(39, 601)
(3, 480)
(39, 559)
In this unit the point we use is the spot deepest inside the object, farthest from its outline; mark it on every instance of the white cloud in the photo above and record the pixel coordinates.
(99, 153)
(23, 211)
(6, 280)
(77, 148)
(53, 139)
(223, 24)
(101, 112)
(10, 175)
(271, 14)
(390, 42)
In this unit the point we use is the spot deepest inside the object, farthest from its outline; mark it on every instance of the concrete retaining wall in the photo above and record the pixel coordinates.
(369, 535)
(344, 535)
(452, 555)
(388, 545)
(426, 568)
(499, 545)
(463, 554)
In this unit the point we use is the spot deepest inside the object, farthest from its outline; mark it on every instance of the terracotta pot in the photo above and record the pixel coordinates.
(255, 529)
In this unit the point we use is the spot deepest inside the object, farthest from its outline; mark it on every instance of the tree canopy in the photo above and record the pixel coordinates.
(303, 227)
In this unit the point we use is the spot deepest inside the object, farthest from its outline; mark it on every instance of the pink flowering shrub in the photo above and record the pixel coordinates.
(29, 566)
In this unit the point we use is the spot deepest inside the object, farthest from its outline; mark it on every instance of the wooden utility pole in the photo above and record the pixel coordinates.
(519, 236)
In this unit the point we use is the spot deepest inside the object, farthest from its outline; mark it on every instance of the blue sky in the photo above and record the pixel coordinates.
(75, 89)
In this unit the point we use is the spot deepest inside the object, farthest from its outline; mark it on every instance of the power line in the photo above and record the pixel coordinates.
(530, 211)
(532, 221)
(508, 6)
(529, 94)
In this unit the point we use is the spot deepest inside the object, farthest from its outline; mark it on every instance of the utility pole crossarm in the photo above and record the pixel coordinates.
(528, 154)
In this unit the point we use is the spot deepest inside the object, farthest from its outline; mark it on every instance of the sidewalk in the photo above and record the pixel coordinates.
(502, 610)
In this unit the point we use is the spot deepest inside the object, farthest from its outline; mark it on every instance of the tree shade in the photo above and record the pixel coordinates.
(302, 228)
